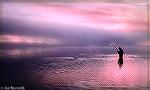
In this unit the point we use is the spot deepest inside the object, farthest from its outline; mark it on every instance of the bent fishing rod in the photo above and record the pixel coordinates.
(113, 45)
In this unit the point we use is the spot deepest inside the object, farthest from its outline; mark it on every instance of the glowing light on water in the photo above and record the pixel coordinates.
(102, 72)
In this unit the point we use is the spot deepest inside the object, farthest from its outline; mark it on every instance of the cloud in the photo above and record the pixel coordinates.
(99, 16)
(76, 24)
(28, 40)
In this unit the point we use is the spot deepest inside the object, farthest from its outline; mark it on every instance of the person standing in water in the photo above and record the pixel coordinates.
(120, 52)
(120, 60)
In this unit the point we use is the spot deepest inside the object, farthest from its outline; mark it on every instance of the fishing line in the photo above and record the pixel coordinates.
(117, 49)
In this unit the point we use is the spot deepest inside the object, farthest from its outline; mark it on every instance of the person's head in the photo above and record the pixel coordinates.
(119, 48)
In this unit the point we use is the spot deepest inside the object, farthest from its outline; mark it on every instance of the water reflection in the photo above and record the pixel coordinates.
(95, 67)
(120, 62)
(93, 72)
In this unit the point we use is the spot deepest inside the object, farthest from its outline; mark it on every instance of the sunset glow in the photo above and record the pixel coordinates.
(28, 40)
(101, 16)
(118, 19)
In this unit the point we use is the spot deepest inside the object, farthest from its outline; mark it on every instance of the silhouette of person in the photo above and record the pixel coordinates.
(120, 60)
(120, 52)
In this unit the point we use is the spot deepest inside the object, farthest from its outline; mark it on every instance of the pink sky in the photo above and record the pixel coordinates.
(110, 16)
(118, 18)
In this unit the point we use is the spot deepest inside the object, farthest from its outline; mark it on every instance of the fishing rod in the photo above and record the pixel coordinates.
(113, 45)
(126, 55)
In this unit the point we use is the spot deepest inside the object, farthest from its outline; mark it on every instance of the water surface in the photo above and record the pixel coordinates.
(57, 68)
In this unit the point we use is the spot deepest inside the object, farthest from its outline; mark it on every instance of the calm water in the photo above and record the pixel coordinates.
(56, 68)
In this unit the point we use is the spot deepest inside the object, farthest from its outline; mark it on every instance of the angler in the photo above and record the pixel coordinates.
(120, 52)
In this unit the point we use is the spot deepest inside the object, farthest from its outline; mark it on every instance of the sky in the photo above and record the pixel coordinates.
(75, 24)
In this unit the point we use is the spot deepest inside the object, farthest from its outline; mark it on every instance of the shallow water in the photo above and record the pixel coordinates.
(94, 72)
(92, 69)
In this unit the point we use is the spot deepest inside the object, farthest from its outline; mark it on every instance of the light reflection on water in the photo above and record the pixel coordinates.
(94, 72)
(94, 67)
